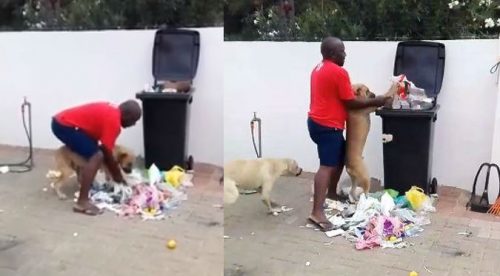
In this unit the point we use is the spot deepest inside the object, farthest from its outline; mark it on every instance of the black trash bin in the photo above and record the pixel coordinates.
(407, 151)
(166, 114)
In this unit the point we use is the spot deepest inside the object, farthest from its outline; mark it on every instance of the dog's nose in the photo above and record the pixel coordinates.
(300, 171)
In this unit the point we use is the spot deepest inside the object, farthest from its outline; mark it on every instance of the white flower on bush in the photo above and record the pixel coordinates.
(256, 21)
(489, 23)
(273, 33)
(452, 4)
(485, 2)
(298, 27)
(498, 22)
(270, 14)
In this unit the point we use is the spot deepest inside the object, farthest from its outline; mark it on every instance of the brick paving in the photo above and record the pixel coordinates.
(261, 244)
(37, 231)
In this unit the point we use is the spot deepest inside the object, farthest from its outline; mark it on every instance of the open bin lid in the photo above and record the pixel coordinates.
(423, 64)
(175, 54)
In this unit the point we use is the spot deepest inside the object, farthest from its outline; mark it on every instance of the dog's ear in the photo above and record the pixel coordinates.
(356, 89)
(121, 156)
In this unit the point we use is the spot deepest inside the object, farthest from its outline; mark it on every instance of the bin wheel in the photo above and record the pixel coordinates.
(433, 186)
(190, 163)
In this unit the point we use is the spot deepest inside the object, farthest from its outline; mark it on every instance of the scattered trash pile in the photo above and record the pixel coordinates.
(149, 197)
(409, 96)
(381, 219)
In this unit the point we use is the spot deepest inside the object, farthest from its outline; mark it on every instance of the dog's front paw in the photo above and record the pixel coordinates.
(61, 195)
(353, 199)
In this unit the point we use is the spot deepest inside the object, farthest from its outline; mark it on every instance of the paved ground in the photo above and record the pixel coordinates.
(261, 244)
(37, 231)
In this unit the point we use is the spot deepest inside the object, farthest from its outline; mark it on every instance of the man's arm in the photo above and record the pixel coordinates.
(363, 103)
(108, 140)
(112, 165)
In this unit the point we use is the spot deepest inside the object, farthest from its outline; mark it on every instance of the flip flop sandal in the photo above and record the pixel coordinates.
(87, 211)
(324, 226)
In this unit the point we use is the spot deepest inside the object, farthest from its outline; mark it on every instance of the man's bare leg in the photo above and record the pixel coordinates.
(87, 175)
(332, 188)
(322, 180)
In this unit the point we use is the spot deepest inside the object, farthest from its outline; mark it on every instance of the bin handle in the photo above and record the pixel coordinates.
(387, 138)
(190, 100)
(434, 118)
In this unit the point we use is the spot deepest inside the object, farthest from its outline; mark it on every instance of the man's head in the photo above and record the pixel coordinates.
(131, 113)
(332, 48)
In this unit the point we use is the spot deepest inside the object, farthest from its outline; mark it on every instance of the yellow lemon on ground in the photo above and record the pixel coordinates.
(171, 244)
(413, 273)
(393, 238)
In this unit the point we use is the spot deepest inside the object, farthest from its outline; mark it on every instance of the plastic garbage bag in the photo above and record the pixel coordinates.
(337, 221)
(387, 204)
(405, 215)
(101, 197)
(427, 205)
(416, 197)
(409, 96)
(401, 201)
(393, 193)
(175, 176)
(154, 175)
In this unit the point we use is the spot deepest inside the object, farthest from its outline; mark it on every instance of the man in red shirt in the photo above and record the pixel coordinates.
(331, 95)
(81, 128)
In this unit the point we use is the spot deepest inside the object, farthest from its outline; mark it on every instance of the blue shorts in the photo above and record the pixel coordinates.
(75, 139)
(330, 143)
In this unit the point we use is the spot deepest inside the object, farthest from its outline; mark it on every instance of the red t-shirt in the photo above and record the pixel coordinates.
(101, 121)
(330, 85)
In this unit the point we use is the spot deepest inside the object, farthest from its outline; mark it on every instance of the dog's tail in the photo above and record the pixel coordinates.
(53, 176)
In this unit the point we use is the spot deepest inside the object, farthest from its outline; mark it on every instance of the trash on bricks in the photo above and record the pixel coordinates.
(379, 222)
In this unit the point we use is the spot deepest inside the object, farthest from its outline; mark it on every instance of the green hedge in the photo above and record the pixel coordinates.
(108, 14)
(366, 20)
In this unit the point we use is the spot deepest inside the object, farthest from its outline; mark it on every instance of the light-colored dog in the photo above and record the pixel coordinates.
(357, 128)
(257, 174)
(68, 163)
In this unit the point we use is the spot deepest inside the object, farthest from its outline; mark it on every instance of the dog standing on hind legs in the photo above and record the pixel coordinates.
(357, 129)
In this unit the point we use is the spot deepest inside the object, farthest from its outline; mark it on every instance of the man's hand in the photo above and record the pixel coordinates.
(363, 103)
(382, 100)
(112, 165)
(118, 178)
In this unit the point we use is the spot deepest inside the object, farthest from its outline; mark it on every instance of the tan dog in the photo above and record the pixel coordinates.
(231, 193)
(68, 162)
(357, 128)
(257, 174)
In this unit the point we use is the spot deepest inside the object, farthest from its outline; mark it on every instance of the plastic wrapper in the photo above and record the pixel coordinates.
(409, 96)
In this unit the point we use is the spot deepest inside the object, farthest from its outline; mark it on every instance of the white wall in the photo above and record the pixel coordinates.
(56, 70)
(273, 80)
